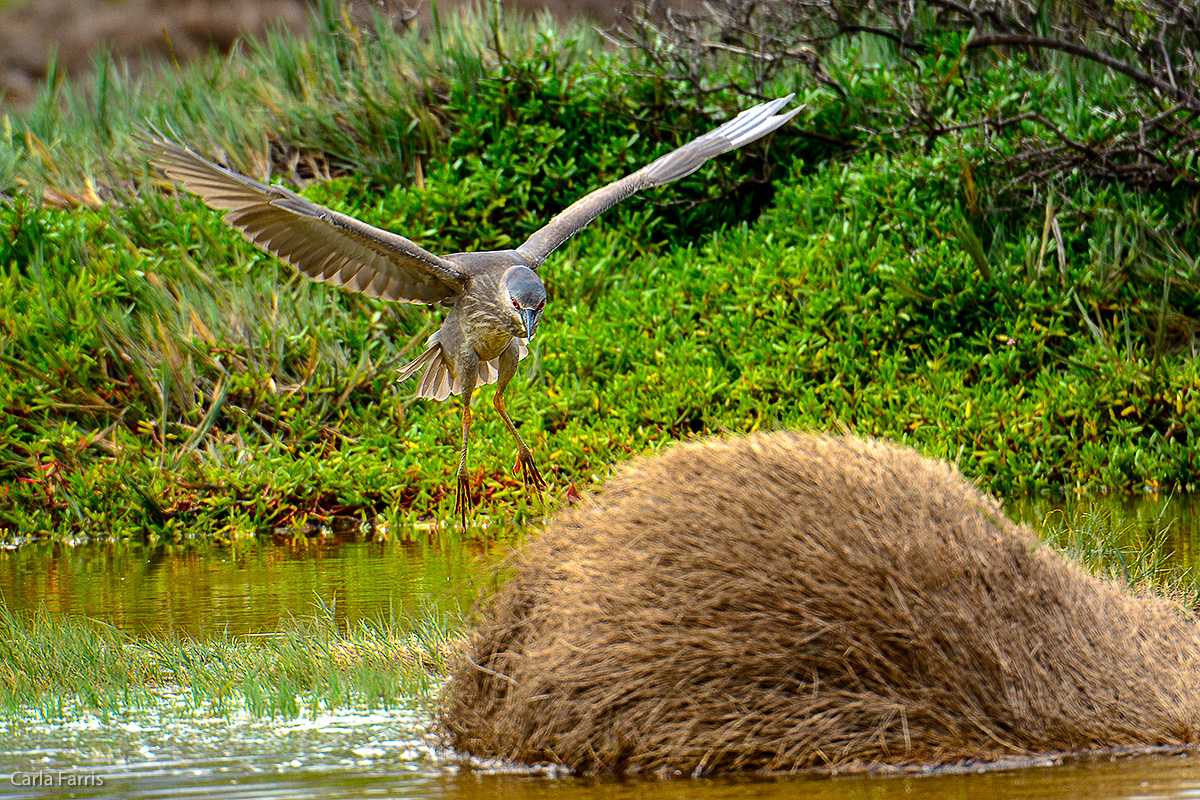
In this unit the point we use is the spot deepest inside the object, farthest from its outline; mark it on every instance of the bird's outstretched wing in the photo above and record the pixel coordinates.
(751, 124)
(319, 242)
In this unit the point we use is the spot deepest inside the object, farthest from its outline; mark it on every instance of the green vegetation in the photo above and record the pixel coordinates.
(63, 666)
(159, 376)
(1143, 554)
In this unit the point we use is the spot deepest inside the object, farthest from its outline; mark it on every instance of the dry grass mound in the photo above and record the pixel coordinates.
(788, 602)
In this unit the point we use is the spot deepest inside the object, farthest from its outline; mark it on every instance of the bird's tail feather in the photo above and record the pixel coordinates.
(438, 383)
(435, 383)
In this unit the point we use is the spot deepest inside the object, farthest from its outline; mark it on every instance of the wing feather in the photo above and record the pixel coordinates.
(751, 124)
(320, 243)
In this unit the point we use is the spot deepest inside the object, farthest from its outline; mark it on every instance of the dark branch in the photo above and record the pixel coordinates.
(1041, 42)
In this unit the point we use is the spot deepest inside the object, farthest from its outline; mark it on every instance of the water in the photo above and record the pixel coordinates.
(1146, 515)
(161, 752)
(203, 590)
(250, 588)
(359, 755)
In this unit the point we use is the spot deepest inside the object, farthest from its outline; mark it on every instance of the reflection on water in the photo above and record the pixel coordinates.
(1166, 526)
(205, 590)
(1179, 514)
(1144, 779)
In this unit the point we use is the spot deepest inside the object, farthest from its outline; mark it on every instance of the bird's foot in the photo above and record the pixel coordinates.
(463, 499)
(530, 474)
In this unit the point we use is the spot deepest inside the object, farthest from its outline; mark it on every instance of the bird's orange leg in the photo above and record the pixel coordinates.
(529, 470)
(463, 500)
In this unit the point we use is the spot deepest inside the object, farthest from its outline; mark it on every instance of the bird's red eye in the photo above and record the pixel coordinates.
(516, 304)
(541, 305)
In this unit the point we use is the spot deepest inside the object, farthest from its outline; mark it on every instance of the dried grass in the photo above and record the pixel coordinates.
(789, 602)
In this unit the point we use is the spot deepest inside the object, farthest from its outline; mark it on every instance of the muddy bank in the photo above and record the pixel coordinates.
(148, 32)
(142, 31)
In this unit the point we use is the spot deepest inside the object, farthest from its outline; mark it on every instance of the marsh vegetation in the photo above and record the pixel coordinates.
(163, 377)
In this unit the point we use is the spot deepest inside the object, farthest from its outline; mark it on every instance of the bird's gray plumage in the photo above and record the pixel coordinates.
(495, 297)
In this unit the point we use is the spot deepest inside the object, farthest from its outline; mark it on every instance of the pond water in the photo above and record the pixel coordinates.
(250, 588)
(359, 755)
(205, 590)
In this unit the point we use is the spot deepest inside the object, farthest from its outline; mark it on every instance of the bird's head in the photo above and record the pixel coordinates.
(527, 295)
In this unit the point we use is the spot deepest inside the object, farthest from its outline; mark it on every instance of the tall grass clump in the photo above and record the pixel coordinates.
(791, 602)
(62, 666)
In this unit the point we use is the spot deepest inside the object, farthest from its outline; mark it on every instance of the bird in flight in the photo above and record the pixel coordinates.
(495, 297)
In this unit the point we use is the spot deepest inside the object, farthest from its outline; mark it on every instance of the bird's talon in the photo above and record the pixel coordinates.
(531, 476)
(463, 499)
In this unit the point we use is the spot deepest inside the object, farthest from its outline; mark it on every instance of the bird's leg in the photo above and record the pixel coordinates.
(529, 470)
(464, 483)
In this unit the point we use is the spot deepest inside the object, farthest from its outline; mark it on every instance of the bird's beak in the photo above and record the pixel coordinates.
(530, 318)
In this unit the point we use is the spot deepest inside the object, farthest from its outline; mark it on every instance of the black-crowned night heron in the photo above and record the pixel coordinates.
(495, 297)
